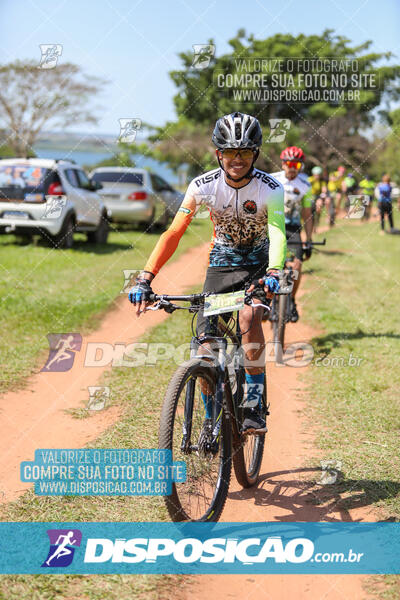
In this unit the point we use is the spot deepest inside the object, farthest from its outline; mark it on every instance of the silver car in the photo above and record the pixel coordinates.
(53, 198)
(136, 196)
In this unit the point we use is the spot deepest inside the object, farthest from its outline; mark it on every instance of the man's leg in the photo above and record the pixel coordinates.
(382, 215)
(250, 320)
(296, 266)
(296, 249)
(390, 214)
(330, 207)
(338, 202)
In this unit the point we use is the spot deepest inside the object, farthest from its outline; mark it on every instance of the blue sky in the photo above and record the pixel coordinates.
(134, 43)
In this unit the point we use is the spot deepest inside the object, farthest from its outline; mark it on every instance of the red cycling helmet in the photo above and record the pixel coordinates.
(293, 153)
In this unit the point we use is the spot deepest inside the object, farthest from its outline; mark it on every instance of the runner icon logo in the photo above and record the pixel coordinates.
(63, 347)
(279, 129)
(203, 53)
(129, 279)
(128, 129)
(330, 471)
(63, 543)
(204, 203)
(54, 207)
(50, 54)
(99, 396)
(253, 393)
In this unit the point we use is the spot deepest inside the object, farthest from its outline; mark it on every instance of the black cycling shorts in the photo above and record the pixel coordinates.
(293, 235)
(222, 280)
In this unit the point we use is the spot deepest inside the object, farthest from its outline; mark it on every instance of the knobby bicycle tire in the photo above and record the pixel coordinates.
(247, 455)
(179, 502)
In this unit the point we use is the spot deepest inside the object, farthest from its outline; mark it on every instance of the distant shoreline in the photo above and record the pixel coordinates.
(81, 147)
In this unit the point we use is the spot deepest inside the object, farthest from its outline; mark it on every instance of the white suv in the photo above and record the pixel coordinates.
(54, 198)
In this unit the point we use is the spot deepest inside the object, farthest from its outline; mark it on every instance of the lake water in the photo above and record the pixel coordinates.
(91, 158)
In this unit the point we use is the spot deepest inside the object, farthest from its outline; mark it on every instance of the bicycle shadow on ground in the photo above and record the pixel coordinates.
(311, 270)
(307, 500)
(326, 343)
(333, 252)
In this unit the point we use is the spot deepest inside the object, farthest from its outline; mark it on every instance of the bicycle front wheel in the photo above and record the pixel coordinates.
(202, 496)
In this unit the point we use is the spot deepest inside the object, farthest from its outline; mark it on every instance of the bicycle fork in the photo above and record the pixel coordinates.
(220, 346)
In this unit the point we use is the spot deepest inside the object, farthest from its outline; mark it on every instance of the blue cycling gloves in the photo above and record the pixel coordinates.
(271, 280)
(141, 292)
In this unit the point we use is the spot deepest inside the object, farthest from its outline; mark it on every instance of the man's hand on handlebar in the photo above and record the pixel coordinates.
(270, 281)
(307, 250)
(140, 294)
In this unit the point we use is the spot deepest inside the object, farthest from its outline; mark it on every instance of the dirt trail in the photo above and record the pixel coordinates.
(285, 493)
(35, 417)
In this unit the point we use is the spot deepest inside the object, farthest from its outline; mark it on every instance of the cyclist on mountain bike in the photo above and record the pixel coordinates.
(319, 196)
(337, 187)
(248, 246)
(366, 187)
(297, 206)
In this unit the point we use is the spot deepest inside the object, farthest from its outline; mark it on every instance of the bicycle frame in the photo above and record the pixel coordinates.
(217, 360)
(219, 364)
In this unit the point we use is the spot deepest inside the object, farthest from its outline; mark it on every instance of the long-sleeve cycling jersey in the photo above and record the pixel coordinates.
(297, 193)
(249, 223)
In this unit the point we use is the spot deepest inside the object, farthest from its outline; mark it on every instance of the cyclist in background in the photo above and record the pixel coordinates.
(336, 180)
(298, 200)
(248, 246)
(319, 196)
(384, 194)
(366, 187)
(349, 188)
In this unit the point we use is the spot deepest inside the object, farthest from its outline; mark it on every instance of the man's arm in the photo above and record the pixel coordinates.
(276, 229)
(306, 214)
(169, 240)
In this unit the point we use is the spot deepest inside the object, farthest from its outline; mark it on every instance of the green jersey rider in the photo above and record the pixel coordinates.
(298, 199)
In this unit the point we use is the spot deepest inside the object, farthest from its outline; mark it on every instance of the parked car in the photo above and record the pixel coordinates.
(137, 196)
(53, 198)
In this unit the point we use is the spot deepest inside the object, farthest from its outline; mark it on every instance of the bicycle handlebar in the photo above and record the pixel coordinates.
(184, 298)
(323, 243)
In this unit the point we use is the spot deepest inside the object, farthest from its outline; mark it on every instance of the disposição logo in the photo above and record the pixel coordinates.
(63, 543)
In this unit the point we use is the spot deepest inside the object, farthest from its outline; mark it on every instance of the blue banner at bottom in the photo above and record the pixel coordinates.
(199, 548)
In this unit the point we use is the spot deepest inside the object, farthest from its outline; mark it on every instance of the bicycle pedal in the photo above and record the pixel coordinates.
(253, 431)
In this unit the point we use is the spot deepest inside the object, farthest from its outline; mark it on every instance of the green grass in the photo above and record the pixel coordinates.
(139, 392)
(44, 290)
(352, 293)
(352, 405)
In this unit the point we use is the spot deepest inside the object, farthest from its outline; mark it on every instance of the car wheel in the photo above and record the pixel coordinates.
(64, 239)
(24, 238)
(99, 236)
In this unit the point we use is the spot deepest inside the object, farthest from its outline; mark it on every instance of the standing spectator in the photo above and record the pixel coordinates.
(383, 192)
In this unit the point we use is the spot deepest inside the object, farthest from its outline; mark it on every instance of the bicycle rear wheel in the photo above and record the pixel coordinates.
(247, 457)
(202, 496)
